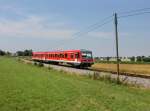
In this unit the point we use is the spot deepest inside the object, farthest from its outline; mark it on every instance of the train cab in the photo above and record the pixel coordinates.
(86, 58)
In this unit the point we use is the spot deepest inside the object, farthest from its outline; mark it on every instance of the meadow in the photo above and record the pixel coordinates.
(25, 87)
(129, 68)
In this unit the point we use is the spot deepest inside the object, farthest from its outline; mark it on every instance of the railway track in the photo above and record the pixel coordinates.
(124, 73)
(129, 78)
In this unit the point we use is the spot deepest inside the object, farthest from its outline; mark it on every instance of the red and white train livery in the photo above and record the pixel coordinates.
(81, 58)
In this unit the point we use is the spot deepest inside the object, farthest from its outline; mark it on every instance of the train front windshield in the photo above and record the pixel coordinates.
(87, 55)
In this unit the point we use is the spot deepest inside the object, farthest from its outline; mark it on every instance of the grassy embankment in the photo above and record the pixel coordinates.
(29, 88)
(131, 68)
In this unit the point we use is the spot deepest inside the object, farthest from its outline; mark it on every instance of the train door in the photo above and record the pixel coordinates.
(71, 56)
(77, 57)
(44, 57)
(65, 56)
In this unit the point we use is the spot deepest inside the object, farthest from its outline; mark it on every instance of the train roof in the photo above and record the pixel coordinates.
(75, 50)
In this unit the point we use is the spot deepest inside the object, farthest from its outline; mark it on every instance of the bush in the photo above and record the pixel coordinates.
(40, 64)
(35, 63)
(50, 68)
(95, 76)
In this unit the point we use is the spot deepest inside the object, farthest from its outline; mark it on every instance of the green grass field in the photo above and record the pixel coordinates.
(25, 87)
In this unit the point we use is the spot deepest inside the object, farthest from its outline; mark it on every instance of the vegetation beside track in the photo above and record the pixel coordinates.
(122, 62)
(137, 69)
(29, 88)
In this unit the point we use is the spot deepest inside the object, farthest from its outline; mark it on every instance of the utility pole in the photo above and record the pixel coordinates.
(117, 50)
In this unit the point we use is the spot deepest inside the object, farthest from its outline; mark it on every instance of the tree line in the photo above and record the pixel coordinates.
(137, 59)
(18, 53)
(24, 53)
(2, 53)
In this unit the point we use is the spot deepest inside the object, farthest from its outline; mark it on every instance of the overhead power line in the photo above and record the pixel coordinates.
(105, 21)
(92, 26)
(133, 11)
(134, 14)
(89, 29)
(98, 26)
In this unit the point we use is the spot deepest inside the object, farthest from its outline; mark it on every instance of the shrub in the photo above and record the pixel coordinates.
(35, 63)
(50, 68)
(40, 64)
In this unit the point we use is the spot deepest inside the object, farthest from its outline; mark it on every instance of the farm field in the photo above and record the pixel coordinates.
(131, 68)
(25, 87)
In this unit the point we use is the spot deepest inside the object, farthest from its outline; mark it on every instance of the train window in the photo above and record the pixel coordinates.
(71, 56)
(86, 55)
(62, 55)
(66, 55)
(77, 55)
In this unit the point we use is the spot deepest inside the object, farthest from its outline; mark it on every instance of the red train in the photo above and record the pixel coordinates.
(78, 58)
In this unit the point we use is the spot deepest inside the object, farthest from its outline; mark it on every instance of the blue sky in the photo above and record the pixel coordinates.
(44, 25)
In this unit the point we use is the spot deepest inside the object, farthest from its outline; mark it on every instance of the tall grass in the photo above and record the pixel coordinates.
(25, 87)
(131, 68)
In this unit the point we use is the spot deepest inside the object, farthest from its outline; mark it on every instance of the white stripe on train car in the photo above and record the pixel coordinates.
(60, 61)
(64, 61)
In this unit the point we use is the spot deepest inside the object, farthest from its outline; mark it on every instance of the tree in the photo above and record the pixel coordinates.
(132, 59)
(2, 53)
(24, 53)
(107, 58)
(28, 53)
(20, 53)
(139, 58)
(146, 59)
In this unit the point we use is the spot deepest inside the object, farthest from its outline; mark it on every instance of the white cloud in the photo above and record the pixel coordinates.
(30, 25)
(34, 26)
(39, 27)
